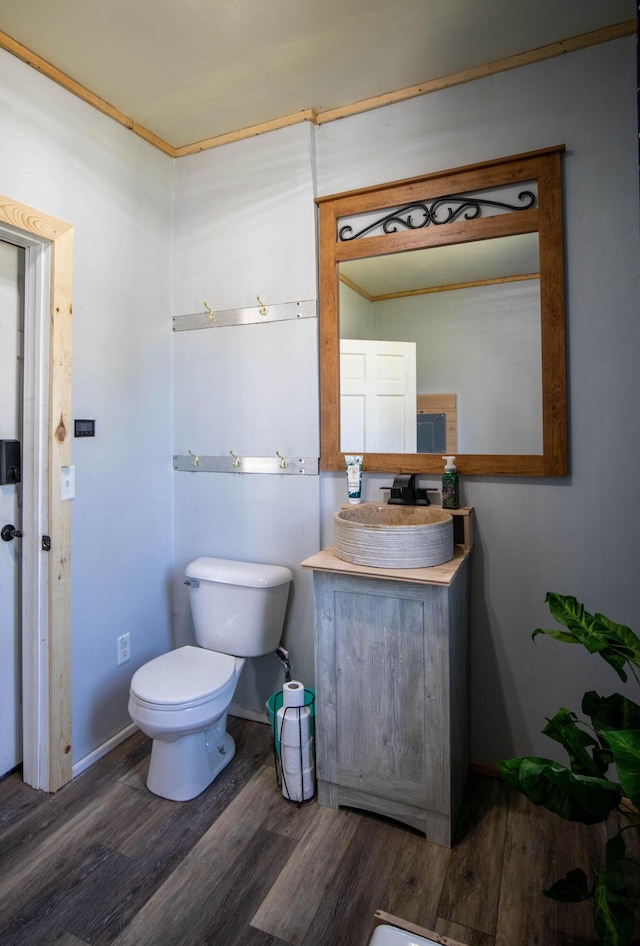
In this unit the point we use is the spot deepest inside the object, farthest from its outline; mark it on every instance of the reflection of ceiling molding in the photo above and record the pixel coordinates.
(421, 292)
(356, 288)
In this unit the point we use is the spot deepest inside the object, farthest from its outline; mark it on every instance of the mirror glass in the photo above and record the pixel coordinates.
(472, 314)
(442, 321)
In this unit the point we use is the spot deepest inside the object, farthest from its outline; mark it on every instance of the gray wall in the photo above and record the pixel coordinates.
(66, 159)
(244, 224)
(569, 535)
(576, 535)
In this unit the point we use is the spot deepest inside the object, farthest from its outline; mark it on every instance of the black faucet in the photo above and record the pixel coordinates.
(404, 491)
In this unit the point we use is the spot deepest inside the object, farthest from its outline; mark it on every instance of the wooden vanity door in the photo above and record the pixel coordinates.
(379, 690)
(385, 740)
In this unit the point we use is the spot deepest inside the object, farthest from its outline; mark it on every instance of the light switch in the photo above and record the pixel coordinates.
(67, 482)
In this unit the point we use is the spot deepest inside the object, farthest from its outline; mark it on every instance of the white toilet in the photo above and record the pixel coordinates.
(180, 699)
(393, 936)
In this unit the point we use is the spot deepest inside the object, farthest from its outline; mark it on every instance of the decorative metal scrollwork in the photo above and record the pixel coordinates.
(442, 210)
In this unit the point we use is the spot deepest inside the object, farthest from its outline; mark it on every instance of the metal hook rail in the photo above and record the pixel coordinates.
(248, 316)
(232, 463)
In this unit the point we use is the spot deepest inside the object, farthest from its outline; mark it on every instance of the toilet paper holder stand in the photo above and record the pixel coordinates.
(293, 732)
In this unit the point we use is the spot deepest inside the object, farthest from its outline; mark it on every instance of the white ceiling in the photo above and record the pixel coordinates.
(190, 70)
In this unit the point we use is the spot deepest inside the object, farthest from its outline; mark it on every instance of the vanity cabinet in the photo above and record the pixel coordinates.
(392, 690)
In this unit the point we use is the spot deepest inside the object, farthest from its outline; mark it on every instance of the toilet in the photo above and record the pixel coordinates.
(180, 699)
(392, 936)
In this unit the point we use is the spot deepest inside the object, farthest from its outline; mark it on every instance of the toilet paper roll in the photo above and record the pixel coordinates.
(295, 732)
(296, 759)
(299, 787)
(294, 725)
(293, 693)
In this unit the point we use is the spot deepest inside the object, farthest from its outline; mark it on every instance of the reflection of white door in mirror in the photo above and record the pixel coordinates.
(378, 396)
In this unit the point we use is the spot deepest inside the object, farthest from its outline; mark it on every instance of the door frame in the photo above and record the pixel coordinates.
(46, 632)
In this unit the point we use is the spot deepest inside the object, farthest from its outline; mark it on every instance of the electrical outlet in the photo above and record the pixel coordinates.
(123, 648)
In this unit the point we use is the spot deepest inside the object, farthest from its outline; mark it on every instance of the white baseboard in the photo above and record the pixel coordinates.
(257, 716)
(107, 746)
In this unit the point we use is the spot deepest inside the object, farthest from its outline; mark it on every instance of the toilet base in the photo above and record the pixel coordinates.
(181, 769)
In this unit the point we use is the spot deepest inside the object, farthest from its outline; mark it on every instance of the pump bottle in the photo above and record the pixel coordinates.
(450, 490)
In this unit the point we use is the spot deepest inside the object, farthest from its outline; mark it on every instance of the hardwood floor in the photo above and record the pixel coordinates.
(104, 861)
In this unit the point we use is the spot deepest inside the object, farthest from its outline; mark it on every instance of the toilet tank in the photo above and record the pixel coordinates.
(238, 608)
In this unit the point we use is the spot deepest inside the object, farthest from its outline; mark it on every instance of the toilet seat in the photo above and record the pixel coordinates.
(183, 678)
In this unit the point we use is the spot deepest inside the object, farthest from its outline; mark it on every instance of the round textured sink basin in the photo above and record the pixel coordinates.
(393, 536)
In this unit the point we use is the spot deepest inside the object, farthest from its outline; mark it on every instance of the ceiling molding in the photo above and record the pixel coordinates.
(51, 72)
(573, 44)
(549, 51)
(308, 115)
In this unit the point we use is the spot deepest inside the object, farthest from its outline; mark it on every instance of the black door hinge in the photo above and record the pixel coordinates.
(46, 543)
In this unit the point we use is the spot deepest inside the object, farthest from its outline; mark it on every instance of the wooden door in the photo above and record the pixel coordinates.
(378, 396)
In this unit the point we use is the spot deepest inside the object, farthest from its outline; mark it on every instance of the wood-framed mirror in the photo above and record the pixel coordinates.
(442, 326)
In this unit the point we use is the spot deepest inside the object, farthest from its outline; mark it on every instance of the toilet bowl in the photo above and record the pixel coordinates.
(180, 699)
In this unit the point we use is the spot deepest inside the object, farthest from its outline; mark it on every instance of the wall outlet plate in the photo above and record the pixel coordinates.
(124, 648)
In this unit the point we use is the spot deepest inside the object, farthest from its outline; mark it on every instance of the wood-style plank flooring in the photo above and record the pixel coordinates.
(104, 861)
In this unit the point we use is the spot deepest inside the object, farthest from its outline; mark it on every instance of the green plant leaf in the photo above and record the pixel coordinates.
(563, 729)
(573, 797)
(571, 889)
(569, 611)
(562, 636)
(616, 643)
(613, 918)
(625, 746)
(611, 712)
(626, 640)
(602, 758)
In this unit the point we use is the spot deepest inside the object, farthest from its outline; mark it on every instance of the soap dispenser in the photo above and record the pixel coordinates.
(450, 491)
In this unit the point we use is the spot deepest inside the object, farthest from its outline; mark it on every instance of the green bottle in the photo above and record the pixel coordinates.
(450, 491)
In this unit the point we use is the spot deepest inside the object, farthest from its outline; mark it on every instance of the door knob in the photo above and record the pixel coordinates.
(10, 532)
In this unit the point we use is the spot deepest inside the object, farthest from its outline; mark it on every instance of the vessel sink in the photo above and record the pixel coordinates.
(387, 536)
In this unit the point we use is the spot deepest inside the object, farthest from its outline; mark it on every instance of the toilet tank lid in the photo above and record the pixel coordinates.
(247, 574)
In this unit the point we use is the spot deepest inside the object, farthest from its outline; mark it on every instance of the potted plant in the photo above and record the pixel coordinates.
(582, 791)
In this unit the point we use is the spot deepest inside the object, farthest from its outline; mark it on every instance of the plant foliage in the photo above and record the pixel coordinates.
(582, 791)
